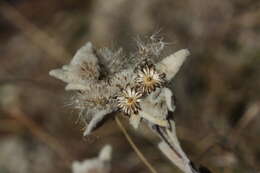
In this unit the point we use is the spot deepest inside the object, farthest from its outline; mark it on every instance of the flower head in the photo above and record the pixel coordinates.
(98, 75)
(129, 100)
(148, 79)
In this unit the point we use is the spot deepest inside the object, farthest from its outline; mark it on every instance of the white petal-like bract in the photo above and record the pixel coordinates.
(171, 64)
(95, 120)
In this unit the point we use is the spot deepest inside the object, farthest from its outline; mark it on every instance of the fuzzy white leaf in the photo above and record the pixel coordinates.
(74, 73)
(153, 119)
(171, 64)
(95, 120)
(176, 155)
(60, 74)
(65, 67)
(175, 159)
(99, 164)
(174, 140)
(135, 120)
(66, 75)
(73, 86)
(168, 99)
(154, 109)
(105, 153)
(84, 54)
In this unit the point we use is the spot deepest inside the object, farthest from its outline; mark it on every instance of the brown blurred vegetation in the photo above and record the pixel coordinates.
(217, 90)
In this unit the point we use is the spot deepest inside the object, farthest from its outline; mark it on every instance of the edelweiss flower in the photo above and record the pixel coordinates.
(148, 79)
(129, 101)
(98, 81)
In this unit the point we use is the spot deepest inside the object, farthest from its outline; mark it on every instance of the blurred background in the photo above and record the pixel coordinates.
(217, 90)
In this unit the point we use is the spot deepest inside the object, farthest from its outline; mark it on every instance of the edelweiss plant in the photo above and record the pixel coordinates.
(107, 81)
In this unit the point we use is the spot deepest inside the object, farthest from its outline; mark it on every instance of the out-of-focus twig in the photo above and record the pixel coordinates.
(251, 113)
(232, 137)
(51, 46)
(135, 148)
(10, 125)
(42, 85)
(38, 132)
(39, 37)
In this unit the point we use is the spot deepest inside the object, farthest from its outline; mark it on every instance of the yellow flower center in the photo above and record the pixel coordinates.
(130, 101)
(148, 80)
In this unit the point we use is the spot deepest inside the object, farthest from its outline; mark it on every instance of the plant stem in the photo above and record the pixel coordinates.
(133, 145)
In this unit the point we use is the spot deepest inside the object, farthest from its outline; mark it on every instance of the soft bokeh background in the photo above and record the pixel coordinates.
(217, 90)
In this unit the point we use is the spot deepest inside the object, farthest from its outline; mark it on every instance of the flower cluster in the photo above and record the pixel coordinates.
(106, 81)
(147, 80)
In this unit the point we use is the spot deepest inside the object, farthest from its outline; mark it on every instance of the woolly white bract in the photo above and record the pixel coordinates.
(105, 81)
(99, 77)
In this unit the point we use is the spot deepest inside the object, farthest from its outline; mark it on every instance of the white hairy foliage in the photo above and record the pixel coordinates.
(168, 99)
(95, 120)
(171, 64)
(134, 121)
(113, 61)
(99, 75)
(171, 155)
(176, 156)
(154, 108)
(82, 69)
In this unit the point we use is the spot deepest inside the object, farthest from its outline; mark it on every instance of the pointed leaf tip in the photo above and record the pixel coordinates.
(171, 64)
